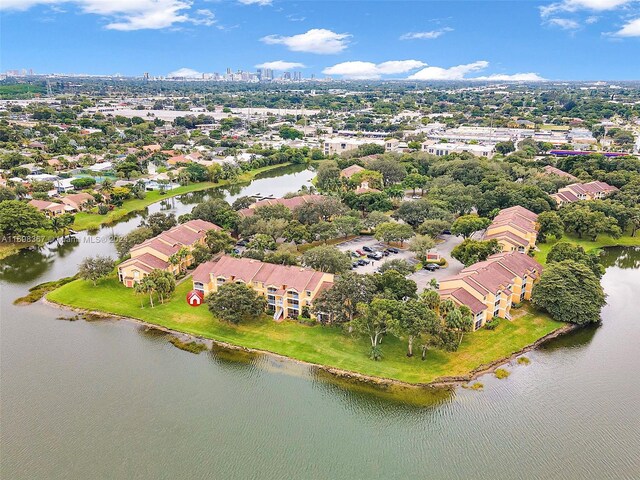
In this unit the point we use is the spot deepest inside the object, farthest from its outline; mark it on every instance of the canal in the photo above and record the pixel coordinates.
(110, 399)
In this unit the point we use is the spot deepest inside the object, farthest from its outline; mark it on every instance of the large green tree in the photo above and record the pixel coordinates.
(18, 218)
(326, 258)
(570, 292)
(236, 302)
(467, 225)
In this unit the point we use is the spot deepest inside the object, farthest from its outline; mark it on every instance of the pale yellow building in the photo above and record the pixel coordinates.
(157, 252)
(288, 289)
(491, 287)
(515, 229)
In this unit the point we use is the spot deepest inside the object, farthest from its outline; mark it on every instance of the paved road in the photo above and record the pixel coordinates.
(423, 277)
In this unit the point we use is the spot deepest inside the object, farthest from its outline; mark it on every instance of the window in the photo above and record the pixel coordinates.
(198, 286)
(308, 293)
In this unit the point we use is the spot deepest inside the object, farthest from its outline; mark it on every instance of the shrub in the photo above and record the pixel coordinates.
(523, 361)
(492, 324)
(501, 373)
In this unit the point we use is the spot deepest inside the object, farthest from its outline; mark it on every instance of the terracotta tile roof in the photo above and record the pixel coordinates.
(47, 205)
(145, 262)
(550, 170)
(201, 273)
(352, 170)
(497, 272)
(271, 275)
(509, 237)
(465, 298)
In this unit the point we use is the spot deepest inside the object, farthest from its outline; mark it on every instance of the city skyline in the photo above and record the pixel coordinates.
(465, 40)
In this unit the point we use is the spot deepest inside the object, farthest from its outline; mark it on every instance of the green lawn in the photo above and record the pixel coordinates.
(316, 344)
(588, 245)
(88, 221)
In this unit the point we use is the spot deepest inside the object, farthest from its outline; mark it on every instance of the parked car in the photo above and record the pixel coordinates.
(432, 267)
(367, 249)
(360, 253)
(374, 255)
(241, 243)
(354, 265)
(393, 250)
(446, 232)
(363, 262)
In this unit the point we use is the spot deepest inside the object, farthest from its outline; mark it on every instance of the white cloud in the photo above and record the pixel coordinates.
(591, 20)
(575, 5)
(452, 73)
(516, 77)
(630, 29)
(371, 71)
(129, 15)
(280, 65)
(255, 2)
(185, 72)
(316, 40)
(425, 35)
(564, 23)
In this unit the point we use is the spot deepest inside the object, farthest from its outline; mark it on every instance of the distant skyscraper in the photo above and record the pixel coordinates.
(286, 75)
(228, 71)
(297, 76)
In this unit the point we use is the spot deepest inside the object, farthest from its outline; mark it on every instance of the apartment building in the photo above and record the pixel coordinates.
(338, 145)
(161, 252)
(515, 228)
(575, 192)
(442, 149)
(288, 289)
(490, 288)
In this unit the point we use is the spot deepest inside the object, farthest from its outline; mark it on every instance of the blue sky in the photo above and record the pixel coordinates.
(557, 40)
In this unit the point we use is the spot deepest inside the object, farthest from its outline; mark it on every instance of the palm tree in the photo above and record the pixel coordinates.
(148, 286)
(139, 288)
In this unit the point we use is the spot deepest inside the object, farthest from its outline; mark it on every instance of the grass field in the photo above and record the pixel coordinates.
(588, 245)
(315, 344)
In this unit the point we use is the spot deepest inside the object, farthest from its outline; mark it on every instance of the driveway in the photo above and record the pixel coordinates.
(423, 277)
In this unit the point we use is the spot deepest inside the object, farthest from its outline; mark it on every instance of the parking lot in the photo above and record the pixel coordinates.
(364, 241)
(421, 277)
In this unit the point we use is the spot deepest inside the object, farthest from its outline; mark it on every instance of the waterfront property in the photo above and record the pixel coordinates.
(575, 192)
(290, 203)
(288, 289)
(491, 287)
(515, 229)
(161, 252)
(50, 209)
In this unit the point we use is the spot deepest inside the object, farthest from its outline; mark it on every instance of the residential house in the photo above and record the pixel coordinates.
(490, 288)
(515, 229)
(290, 203)
(50, 209)
(158, 252)
(575, 192)
(288, 289)
(78, 201)
(351, 171)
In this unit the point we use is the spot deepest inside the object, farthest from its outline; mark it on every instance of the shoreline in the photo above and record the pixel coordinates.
(9, 249)
(446, 382)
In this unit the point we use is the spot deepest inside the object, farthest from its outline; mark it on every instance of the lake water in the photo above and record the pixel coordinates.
(108, 399)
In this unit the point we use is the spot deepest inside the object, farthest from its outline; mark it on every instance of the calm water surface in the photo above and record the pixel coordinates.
(110, 400)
